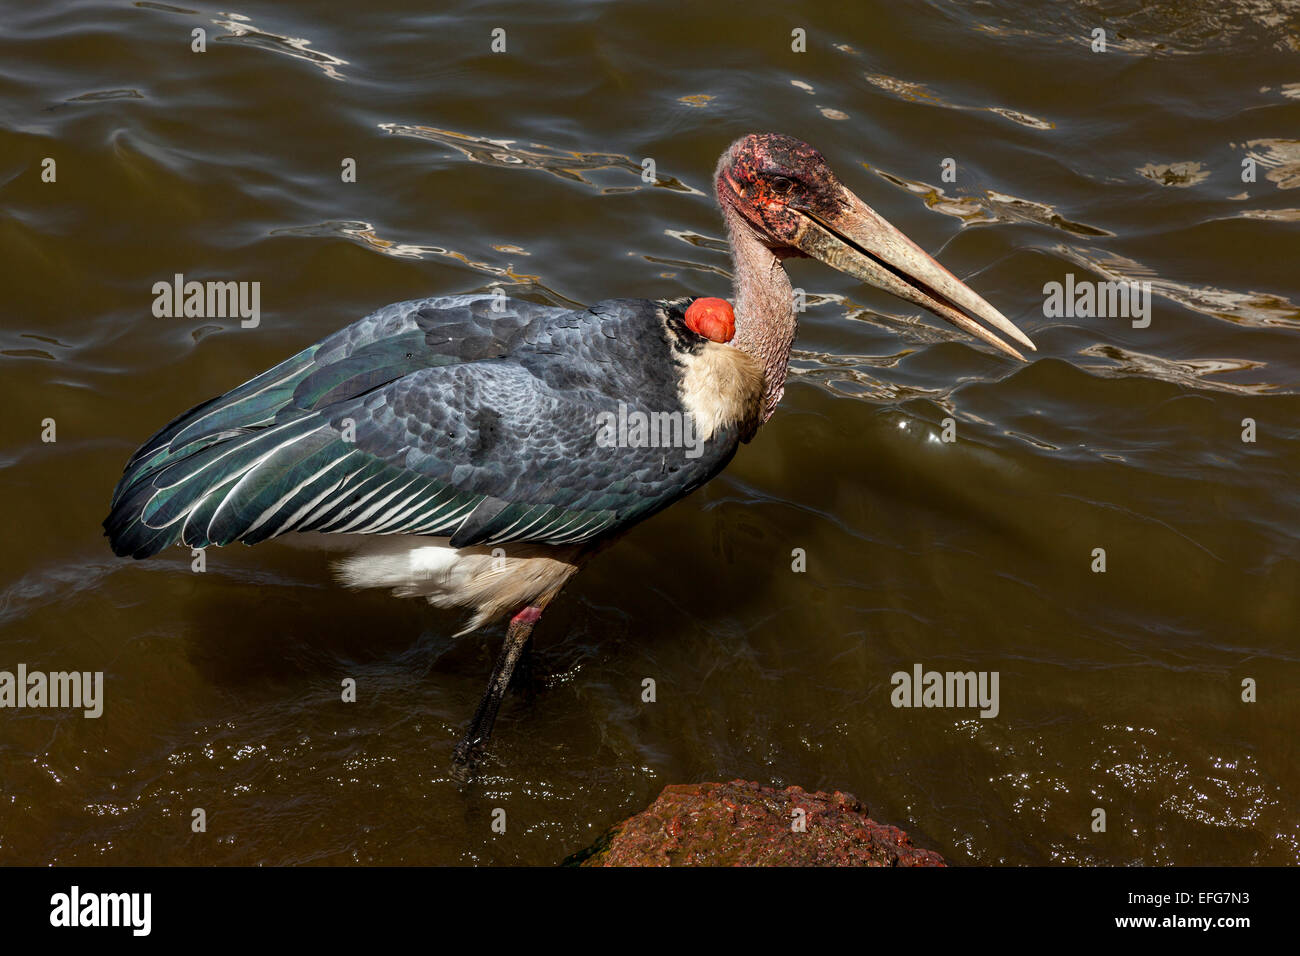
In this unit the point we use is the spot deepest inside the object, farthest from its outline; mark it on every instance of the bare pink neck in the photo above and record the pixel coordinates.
(765, 316)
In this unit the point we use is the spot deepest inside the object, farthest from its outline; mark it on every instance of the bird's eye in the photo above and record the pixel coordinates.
(782, 186)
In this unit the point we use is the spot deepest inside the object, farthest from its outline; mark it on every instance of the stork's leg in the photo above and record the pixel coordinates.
(524, 670)
(518, 636)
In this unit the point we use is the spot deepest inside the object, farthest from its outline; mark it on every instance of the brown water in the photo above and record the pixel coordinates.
(1120, 690)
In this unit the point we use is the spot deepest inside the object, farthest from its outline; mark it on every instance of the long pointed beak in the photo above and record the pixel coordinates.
(862, 243)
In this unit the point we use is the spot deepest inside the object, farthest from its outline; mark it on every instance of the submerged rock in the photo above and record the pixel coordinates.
(746, 824)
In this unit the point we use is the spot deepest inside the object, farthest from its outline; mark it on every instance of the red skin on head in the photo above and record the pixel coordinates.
(712, 318)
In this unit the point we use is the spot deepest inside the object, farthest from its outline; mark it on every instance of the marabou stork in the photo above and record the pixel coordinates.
(429, 433)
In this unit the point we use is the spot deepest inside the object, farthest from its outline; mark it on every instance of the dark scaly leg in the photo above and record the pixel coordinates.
(525, 674)
(475, 740)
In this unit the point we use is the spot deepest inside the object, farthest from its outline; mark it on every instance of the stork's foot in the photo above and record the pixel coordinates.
(473, 746)
(464, 759)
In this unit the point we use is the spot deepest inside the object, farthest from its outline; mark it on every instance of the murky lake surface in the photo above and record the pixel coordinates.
(1119, 690)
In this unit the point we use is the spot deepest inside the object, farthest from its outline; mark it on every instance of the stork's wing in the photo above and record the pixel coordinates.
(438, 417)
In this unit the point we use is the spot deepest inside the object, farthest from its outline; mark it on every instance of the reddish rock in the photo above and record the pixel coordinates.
(745, 824)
